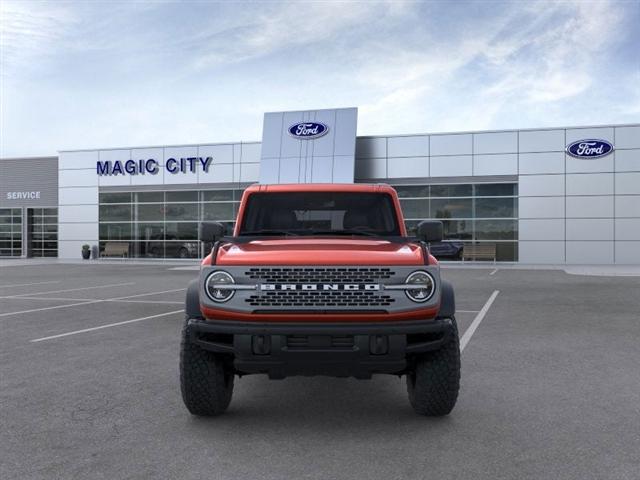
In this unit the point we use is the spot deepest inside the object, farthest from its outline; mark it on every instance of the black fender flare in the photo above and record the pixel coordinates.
(447, 301)
(192, 300)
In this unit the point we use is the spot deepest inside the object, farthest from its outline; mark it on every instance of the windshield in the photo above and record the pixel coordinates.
(320, 213)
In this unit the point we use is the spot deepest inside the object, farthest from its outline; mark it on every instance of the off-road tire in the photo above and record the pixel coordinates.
(434, 381)
(206, 383)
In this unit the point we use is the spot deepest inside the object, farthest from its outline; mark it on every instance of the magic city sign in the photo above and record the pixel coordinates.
(151, 166)
(589, 148)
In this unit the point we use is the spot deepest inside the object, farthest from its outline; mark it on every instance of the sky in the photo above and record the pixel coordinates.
(97, 74)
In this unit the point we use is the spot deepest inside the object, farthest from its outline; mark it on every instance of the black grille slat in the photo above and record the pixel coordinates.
(320, 275)
(317, 299)
(306, 341)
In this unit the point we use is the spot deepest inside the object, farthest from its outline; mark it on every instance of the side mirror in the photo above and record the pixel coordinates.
(211, 231)
(430, 231)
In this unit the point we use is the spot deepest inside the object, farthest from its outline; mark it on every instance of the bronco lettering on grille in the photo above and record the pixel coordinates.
(319, 286)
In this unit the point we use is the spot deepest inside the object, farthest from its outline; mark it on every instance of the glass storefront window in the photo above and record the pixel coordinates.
(217, 195)
(115, 213)
(457, 229)
(496, 229)
(115, 198)
(412, 191)
(181, 211)
(218, 211)
(451, 208)
(10, 232)
(150, 232)
(163, 224)
(149, 213)
(464, 190)
(150, 197)
(115, 231)
(496, 207)
(496, 189)
(468, 213)
(181, 231)
(418, 209)
(42, 229)
(186, 196)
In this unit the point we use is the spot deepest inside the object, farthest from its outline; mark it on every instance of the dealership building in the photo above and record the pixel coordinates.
(567, 195)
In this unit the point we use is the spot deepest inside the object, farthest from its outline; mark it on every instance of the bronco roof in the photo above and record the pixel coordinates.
(322, 187)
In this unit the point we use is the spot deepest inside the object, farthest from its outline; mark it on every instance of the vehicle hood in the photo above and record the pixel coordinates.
(320, 252)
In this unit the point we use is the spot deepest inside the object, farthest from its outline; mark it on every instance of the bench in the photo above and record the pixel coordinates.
(115, 249)
(483, 251)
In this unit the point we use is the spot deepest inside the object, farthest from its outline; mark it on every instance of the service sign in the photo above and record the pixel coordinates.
(308, 130)
(589, 149)
(23, 195)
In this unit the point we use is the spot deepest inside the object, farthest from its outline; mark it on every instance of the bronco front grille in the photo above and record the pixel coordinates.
(320, 299)
(319, 274)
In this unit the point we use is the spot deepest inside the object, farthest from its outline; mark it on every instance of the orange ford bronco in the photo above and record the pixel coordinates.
(320, 279)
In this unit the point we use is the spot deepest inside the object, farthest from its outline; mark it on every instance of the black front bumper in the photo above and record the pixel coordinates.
(334, 349)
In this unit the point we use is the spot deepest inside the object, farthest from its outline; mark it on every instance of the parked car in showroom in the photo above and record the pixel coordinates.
(174, 249)
(447, 249)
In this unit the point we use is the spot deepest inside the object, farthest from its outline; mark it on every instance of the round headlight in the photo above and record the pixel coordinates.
(425, 286)
(214, 286)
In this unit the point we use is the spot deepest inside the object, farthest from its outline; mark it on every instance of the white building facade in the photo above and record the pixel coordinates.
(521, 191)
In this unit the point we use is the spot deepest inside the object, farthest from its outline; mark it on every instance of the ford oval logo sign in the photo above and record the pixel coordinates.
(308, 130)
(589, 148)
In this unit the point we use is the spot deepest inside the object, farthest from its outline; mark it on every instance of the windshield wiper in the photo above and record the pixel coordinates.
(266, 231)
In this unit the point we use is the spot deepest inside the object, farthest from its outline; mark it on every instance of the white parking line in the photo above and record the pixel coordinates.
(49, 308)
(476, 321)
(70, 290)
(494, 271)
(28, 284)
(164, 302)
(67, 299)
(85, 330)
(59, 299)
(147, 294)
(88, 302)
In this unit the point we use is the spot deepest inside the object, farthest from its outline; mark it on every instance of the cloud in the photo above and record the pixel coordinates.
(79, 74)
(531, 57)
(30, 30)
(299, 28)
(558, 62)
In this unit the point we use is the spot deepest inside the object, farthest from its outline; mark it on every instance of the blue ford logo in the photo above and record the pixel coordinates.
(308, 130)
(590, 148)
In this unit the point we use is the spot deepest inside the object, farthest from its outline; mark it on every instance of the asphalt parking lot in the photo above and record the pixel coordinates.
(89, 387)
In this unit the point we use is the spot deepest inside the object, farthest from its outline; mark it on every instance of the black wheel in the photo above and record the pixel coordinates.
(206, 382)
(183, 253)
(434, 382)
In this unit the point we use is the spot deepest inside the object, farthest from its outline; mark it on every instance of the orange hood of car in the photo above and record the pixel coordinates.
(319, 251)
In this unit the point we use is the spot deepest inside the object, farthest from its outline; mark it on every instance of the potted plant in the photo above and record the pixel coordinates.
(86, 252)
